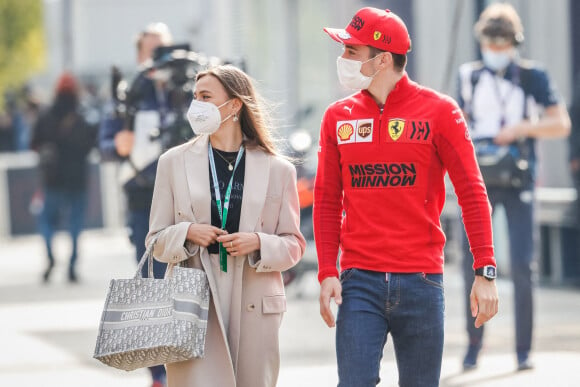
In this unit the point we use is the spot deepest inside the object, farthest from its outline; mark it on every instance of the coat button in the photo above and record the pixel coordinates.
(251, 307)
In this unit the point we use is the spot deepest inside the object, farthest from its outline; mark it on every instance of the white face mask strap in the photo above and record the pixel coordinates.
(374, 57)
(229, 115)
(227, 118)
(223, 104)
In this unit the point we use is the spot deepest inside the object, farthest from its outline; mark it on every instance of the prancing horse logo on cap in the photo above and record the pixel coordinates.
(377, 35)
(396, 127)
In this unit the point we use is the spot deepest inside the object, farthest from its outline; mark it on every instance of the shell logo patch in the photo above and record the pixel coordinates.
(396, 127)
(376, 35)
(345, 131)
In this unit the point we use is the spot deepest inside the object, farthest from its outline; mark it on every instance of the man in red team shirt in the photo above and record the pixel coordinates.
(379, 193)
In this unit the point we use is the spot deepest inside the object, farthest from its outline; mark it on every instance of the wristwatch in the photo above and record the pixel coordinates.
(488, 272)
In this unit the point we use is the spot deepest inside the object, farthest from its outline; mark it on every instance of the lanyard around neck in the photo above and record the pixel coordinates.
(223, 213)
(504, 99)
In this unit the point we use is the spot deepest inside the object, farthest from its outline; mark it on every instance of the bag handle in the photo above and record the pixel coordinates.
(147, 256)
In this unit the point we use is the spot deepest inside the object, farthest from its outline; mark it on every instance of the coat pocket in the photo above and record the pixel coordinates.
(274, 304)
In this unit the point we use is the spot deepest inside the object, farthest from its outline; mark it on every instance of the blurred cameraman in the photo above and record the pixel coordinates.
(127, 137)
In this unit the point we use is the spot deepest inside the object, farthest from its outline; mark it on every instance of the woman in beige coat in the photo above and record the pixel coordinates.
(233, 160)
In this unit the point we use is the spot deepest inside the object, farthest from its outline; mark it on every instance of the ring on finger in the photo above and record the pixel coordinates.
(231, 243)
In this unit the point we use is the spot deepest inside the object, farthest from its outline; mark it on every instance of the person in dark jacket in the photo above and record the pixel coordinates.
(574, 144)
(63, 139)
(130, 144)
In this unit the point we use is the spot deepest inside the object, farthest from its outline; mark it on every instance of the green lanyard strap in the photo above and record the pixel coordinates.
(223, 213)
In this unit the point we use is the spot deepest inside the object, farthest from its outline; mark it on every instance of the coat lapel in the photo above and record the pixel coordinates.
(197, 173)
(255, 188)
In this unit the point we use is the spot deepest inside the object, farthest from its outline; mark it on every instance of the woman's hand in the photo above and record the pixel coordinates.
(240, 243)
(204, 234)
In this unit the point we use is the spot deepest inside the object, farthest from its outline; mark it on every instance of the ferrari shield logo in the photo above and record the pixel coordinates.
(377, 35)
(396, 127)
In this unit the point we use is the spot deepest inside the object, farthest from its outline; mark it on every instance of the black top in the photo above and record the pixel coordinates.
(63, 143)
(223, 178)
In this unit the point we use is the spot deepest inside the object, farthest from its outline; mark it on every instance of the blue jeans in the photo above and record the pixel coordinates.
(410, 307)
(139, 226)
(57, 203)
(520, 221)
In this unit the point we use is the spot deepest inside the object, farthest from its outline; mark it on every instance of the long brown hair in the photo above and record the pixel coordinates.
(254, 118)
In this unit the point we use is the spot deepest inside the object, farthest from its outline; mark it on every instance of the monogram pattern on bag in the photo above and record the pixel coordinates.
(145, 346)
(140, 326)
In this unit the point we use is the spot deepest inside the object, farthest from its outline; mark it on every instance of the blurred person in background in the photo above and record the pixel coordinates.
(30, 110)
(378, 197)
(63, 139)
(120, 140)
(14, 130)
(7, 132)
(508, 103)
(574, 145)
(226, 202)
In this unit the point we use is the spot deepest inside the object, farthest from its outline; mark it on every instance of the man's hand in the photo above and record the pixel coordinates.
(124, 141)
(484, 300)
(329, 288)
(575, 165)
(203, 234)
(508, 135)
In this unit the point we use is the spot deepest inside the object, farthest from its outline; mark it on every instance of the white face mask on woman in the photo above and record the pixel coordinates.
(349, 74)
(205, 117)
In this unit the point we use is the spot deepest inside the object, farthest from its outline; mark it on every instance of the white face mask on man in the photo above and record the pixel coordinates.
(497, 60)
(205, 117)
(349, 74)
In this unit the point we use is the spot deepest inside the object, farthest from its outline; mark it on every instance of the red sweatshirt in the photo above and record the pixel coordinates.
(380, 189)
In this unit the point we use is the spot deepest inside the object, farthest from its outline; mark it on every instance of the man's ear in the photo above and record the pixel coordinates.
(386, 59)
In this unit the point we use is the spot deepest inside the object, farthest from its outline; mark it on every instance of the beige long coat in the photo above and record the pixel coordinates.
(249, 357)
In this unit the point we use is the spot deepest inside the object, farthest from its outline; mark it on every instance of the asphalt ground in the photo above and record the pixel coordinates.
(49, 330)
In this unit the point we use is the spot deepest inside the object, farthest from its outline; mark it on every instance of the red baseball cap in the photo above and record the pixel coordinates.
(377, 28)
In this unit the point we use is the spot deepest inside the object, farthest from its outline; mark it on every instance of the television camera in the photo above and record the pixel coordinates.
(174, 68)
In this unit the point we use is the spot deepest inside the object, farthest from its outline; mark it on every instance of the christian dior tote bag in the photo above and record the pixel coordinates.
(148, 321)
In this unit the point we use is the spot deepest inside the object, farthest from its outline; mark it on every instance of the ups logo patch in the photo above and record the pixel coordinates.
(365, 129)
